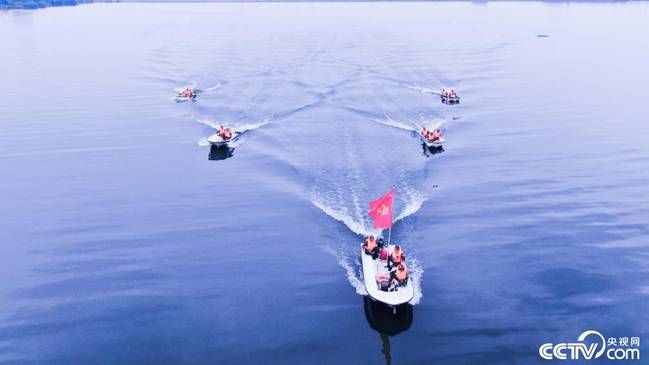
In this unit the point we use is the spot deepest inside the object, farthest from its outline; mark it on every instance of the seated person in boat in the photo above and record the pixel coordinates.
(396, 257)
(371, 247)
(431, 136)
(400, 275)
(434, 136)
(187, 92)
(225, 133)
(453, 93)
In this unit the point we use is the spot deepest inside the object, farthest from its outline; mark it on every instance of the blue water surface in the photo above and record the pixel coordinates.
(126, 240)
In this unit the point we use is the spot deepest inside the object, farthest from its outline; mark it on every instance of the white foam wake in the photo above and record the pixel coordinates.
(211, 88)
(395, 124)
(423, 89)
(194, 86)
(340, 214)
(354, 276)
(433, 123)
(203, 142)
(415, 271)
(237, 127)
(413, 202)
(250, 126)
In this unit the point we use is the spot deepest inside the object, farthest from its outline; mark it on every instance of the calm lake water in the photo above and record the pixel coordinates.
(126, 240)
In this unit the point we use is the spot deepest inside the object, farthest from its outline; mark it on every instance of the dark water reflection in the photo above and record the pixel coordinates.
(220, 153)
(387, 322)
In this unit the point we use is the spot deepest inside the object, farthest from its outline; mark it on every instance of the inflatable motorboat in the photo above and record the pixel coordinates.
(448, 99)
(185, 93)
(181, 96)
(218, 141)
(436, 143)
(374, 273)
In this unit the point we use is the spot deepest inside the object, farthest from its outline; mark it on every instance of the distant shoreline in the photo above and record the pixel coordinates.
(39, 4)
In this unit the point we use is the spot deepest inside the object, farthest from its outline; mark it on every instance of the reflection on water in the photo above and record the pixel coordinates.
(220, 153)
(430, 151)
(387, 321)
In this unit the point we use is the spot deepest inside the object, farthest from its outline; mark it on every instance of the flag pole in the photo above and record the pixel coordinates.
(391, 222)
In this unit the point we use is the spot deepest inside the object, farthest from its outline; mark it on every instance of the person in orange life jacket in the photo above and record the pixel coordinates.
(371, 247)
(453, 94)
(225, 133)
(396, 257)
(434, 136)
(400, 274)
(187, 92)
(424, 132)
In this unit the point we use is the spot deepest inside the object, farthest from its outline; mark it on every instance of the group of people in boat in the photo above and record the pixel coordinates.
(396, 260)
(187, 93)
(449, 94)
(431, 136)
(225, 133)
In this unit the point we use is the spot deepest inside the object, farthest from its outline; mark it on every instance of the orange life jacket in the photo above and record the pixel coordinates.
(396, 259)
(402, 274)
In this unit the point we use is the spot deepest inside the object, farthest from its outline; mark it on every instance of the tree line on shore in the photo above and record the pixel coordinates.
(36, 4)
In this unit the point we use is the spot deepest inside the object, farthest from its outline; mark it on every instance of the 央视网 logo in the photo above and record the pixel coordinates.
(627, 348)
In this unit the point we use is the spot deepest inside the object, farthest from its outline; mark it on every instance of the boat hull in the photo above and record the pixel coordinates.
(436, 143)
(216, 140)
(450, 99)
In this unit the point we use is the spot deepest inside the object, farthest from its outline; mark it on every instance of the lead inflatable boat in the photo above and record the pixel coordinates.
(436, 143)
(218, 141)
(448, 99)
(375, 275)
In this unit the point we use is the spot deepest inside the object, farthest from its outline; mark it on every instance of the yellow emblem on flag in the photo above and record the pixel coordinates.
(383, 210)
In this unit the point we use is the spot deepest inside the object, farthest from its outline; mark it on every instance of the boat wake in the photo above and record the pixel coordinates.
(236, 127)
(353, 270)
(424, 89)
(412, 126)
(212, 88)
(203, 142)
(414, 201)
(433, 124)
(194, 86)
(387, 121)
(357, 224)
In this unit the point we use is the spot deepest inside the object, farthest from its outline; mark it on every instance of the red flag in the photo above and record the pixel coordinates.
(381, 210)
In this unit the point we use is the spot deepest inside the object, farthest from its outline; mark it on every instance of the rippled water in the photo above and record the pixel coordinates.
(125, 240)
